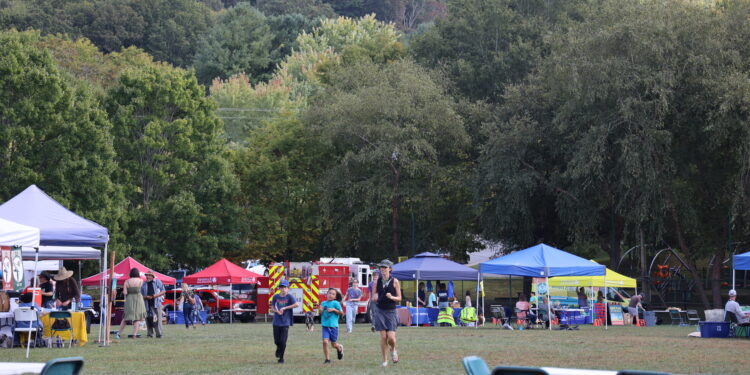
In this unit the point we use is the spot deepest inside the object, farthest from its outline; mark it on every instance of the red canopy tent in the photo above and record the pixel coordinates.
(122, 271)
(221, 273)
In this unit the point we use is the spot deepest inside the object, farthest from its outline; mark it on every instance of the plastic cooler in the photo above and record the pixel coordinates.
(85, 301)
(714, 329)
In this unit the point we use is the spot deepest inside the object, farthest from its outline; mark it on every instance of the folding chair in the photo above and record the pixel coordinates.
(737, 329)
(498, 312)
(693, 317)
(29, 316)
(675, 316)
(524, 320)
(63, 366)
(475, 366)
(61, 315)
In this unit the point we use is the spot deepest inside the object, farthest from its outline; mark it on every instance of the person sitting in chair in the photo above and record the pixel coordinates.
(734, 307)
(524, 309)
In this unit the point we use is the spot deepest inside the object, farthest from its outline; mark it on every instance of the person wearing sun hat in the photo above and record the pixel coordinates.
(387, 293)
(66, 289)
(734, 307)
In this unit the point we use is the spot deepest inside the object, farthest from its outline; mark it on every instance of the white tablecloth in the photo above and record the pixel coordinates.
(18, 368)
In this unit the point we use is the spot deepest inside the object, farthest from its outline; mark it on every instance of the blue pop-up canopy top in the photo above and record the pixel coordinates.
(542, 261)
(429, 266)
(57, 225)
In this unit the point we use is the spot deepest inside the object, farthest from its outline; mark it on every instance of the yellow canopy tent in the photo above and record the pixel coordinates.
(613, 279)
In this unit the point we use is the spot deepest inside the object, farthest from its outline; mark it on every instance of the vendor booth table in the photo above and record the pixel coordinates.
(432, 267)
(77, 322)
(542, 261)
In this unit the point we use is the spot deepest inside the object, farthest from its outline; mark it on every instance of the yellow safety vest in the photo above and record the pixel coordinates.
(446, 316)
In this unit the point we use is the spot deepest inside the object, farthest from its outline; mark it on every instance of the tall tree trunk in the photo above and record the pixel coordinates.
(698, 284)
(716, 279)
(395, 203)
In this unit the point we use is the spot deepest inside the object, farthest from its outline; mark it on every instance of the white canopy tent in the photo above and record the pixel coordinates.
(14, 234)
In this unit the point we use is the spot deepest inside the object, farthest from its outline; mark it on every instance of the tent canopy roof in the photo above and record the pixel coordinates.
(741, 261)
(541, 261)
(62, 253)
(221, 273)
(15, 234)
(57, 225)
(429, 266)
(613, 279)
(122, 273)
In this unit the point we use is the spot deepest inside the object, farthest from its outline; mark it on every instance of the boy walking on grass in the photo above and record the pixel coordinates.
(331, 310)
(283, 318)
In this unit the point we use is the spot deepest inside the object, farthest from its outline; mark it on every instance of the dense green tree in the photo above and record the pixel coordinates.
(239, 42)
(279, 172)
(178, 184)
(310, 8)
(396, 140)
(245, 107)
(54, 135)
(485, 45)
(173, 28)
(285, 29)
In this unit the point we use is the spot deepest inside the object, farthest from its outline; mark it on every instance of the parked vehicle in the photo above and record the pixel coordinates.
(329, 275)
(217, 303)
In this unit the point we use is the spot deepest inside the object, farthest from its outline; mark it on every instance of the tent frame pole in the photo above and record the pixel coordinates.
(476, 324)
(231, 305)
(416, 297)
(36, 267)
(103, 335)
(549, 303)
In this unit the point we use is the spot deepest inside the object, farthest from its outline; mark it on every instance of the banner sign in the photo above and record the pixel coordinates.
(7, 268)
(616, 316)
(17, 259)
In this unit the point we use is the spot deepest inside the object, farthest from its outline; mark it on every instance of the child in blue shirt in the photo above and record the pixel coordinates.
(330, 311)
(282, 304)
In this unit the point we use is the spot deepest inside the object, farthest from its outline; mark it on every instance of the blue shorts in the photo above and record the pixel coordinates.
(331, 333)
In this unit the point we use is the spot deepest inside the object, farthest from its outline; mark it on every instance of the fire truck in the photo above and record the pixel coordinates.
(309, 282)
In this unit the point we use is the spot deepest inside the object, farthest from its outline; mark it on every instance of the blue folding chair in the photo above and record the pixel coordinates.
(475, 366)
(63, 366)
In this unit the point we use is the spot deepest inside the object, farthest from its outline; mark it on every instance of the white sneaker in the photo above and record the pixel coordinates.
(394, 356)
(384, 364)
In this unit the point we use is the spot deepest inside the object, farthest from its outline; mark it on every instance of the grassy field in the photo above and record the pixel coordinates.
(248, 348)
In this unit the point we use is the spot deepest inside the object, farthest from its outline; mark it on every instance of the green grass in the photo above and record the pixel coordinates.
(248, 348)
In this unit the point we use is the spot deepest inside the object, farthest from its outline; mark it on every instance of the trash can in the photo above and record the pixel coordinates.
(650, 318)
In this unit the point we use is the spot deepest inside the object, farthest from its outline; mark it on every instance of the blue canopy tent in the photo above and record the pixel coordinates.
(58, 226)
(542, 261)
(432, 267)
(740, 262)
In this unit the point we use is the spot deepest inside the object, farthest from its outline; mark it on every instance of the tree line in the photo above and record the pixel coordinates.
(296, 129)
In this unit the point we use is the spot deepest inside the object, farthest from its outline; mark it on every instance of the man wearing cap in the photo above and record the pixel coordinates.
(153, 294)
(384, 318)
(282, 305)
(66, 289)
(734, 307)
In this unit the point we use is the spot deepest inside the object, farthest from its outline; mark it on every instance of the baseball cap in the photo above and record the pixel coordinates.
(732, 293)
(385, 263)
(284, 283)
(149, 272)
